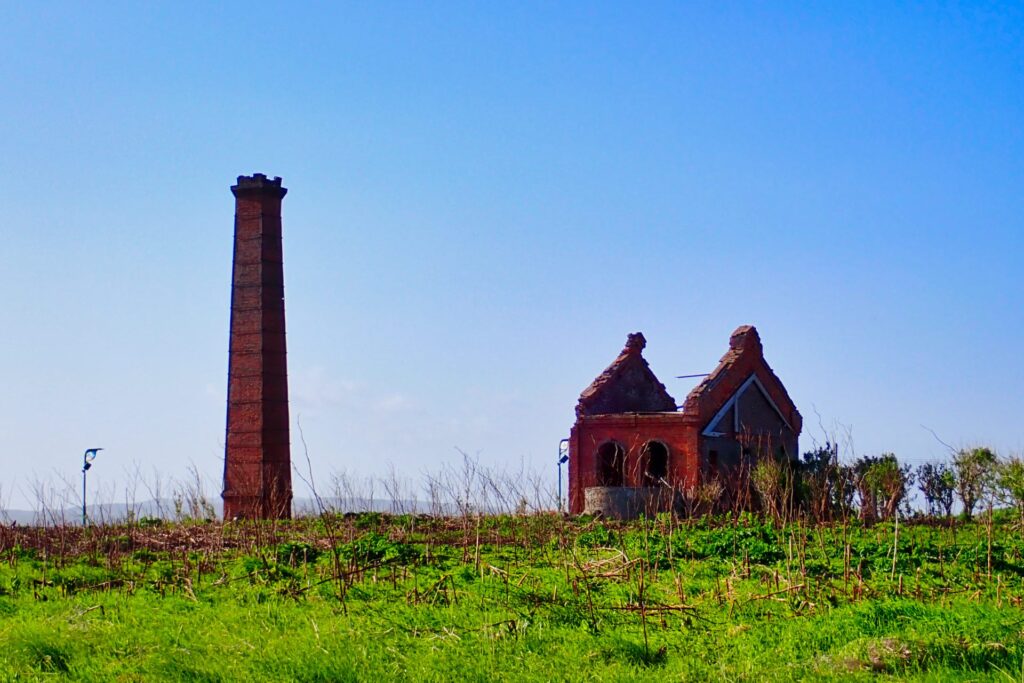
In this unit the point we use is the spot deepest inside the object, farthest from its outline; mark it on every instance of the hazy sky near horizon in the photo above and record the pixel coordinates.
(484, 199)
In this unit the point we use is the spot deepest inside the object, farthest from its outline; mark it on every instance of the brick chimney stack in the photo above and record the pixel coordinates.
(257, 459)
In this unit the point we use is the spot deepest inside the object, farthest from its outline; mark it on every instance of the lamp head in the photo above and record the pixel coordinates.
(89, 456)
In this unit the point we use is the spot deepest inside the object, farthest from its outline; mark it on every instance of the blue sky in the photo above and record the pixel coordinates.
(484, 199)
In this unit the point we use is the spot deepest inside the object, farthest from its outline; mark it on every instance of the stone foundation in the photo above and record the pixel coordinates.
(626, 502)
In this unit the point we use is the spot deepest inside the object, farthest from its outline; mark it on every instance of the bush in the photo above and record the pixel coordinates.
(295, 553)
(377, 548)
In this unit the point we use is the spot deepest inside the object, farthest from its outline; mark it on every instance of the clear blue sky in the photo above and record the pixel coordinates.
(486, 198)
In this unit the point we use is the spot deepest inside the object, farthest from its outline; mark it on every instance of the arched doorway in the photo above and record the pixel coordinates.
(611, 464)
(656, 463)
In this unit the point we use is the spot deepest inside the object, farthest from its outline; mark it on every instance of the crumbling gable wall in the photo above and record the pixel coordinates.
(626, 386)
(627, 415)
(743, 411)
(744, 358)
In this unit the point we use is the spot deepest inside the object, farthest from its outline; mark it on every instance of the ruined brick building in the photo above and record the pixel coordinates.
(633, 448)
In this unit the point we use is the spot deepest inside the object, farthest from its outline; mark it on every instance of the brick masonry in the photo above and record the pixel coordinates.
(257, 458)
(626, 409)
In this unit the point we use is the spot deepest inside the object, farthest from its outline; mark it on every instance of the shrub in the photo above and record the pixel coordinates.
(375, 547)
(295, 553)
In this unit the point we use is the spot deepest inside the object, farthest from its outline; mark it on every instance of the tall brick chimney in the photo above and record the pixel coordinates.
(257, 460)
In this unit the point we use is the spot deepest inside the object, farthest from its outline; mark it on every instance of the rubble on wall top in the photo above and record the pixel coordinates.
(257, 182)
(745, 337)
(635, 343)
(258, 179)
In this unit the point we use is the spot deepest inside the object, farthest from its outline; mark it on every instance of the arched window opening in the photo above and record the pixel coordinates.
(657, 462)
(611, 464)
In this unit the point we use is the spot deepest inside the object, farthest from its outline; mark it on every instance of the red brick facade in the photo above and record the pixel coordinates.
(629, 431)
(257, 459)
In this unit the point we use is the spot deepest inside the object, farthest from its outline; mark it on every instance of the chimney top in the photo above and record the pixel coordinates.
(259, 183)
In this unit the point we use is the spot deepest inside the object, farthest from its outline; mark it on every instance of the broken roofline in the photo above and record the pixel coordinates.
(744, 343)
(597, 398)
(685, 417)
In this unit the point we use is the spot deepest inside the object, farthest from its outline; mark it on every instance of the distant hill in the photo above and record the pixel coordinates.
(165, 509)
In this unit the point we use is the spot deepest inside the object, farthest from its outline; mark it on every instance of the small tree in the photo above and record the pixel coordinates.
(975, 475)
(846, 489)
(882, 485)
(937, 482)
(866, 494)
(1010, 483)
(891, 480)
(825, 488)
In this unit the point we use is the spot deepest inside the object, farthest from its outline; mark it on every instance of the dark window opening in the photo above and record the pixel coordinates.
(713, 463)
(611, 464)
(657, 461)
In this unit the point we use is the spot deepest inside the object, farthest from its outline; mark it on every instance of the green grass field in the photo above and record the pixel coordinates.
(538, 598)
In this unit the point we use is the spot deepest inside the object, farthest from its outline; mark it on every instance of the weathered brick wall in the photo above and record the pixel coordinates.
(633, 432)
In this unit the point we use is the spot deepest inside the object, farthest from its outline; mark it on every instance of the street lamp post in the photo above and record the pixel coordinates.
(87, 458)
(563, 457)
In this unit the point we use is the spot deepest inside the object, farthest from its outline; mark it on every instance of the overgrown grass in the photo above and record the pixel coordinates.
(381, 598)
